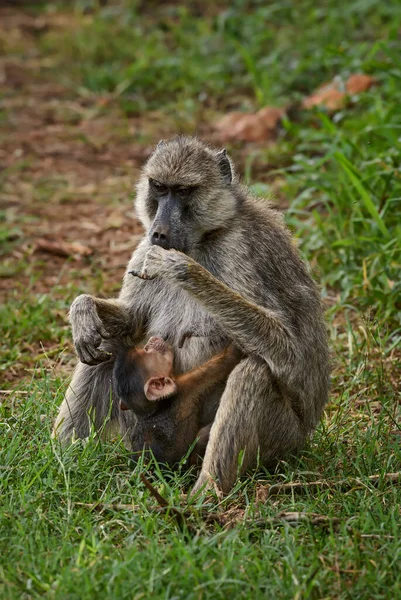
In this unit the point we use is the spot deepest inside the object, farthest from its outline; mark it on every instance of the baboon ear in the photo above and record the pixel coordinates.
(123, 406)
(225, 166)
(157, 388)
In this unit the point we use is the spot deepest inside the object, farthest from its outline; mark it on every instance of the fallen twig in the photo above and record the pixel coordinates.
(297, 487)
(312, 518)
(180, 517)
(376, 536)
(344, 484)
(162, 501)
(100, 506)
(390, 477)
(61, 248)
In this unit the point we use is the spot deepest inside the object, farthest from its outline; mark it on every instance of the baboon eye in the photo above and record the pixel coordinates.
(159, 187)
(185, 191)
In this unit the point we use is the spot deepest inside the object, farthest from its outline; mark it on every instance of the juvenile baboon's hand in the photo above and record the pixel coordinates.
(234, 353)
(169, 264)
(88, 331)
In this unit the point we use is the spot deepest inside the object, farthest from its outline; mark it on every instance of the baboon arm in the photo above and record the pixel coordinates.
(114, 319)
(256, 330)
(114, 316)
(214, 371)
(94, 320)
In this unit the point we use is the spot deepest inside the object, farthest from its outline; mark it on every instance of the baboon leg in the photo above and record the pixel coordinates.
(253, 417)
(88, 402)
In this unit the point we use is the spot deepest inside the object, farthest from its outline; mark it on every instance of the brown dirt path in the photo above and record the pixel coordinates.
(68, 163)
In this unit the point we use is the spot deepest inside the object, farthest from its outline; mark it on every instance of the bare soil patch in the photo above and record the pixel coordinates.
(67, 168)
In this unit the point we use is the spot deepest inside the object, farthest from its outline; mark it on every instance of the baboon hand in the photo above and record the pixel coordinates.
(169, 264)
(88, 331)
(233, 352)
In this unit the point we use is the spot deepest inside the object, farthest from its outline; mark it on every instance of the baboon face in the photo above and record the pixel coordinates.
(143, 376)
(185, 192)
(155, 360)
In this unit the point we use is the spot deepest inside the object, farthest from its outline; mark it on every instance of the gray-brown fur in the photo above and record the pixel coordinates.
(242, 275)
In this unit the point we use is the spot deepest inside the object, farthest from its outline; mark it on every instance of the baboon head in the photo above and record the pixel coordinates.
(168, 434)
(143, 377)
(186, 191)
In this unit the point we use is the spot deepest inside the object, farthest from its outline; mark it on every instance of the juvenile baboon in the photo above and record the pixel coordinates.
(171, 410)
(143, 377)
(218, 257)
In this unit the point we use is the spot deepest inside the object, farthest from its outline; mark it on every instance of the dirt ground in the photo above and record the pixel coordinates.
(68, 163)
(67, 174)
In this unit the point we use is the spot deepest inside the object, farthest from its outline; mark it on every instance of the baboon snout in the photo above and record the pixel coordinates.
(161, 236)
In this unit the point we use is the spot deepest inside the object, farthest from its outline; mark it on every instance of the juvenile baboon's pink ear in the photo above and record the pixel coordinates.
(157, 388)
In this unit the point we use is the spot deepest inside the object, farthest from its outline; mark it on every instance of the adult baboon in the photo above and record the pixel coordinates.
(218, 258)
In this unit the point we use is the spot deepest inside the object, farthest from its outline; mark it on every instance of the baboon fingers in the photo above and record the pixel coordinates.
(141, 275)
(100, 328)
(91, 356)
(185, 336)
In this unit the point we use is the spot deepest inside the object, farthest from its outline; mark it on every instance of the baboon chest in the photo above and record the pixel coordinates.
(173, 313)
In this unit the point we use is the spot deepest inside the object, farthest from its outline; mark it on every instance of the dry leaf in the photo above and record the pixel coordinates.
(327, 96)
(89, 188)
(262, 494)
(61, 248)
(270, 116)
(250, 127)
(115, 220)
(359, 83)
(332, 95)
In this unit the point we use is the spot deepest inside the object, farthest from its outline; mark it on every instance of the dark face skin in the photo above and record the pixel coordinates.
(181, 196)
(172, 208)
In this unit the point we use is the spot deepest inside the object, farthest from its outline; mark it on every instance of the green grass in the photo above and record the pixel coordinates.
(169, 56)
(53, 545)
(63, 531)
(346, 175)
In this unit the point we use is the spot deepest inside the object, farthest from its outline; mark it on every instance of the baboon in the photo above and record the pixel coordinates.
(143, 377)
(218, 257)
(171, 410)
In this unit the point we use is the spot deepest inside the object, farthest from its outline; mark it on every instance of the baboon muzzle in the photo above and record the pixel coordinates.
(165, 230)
